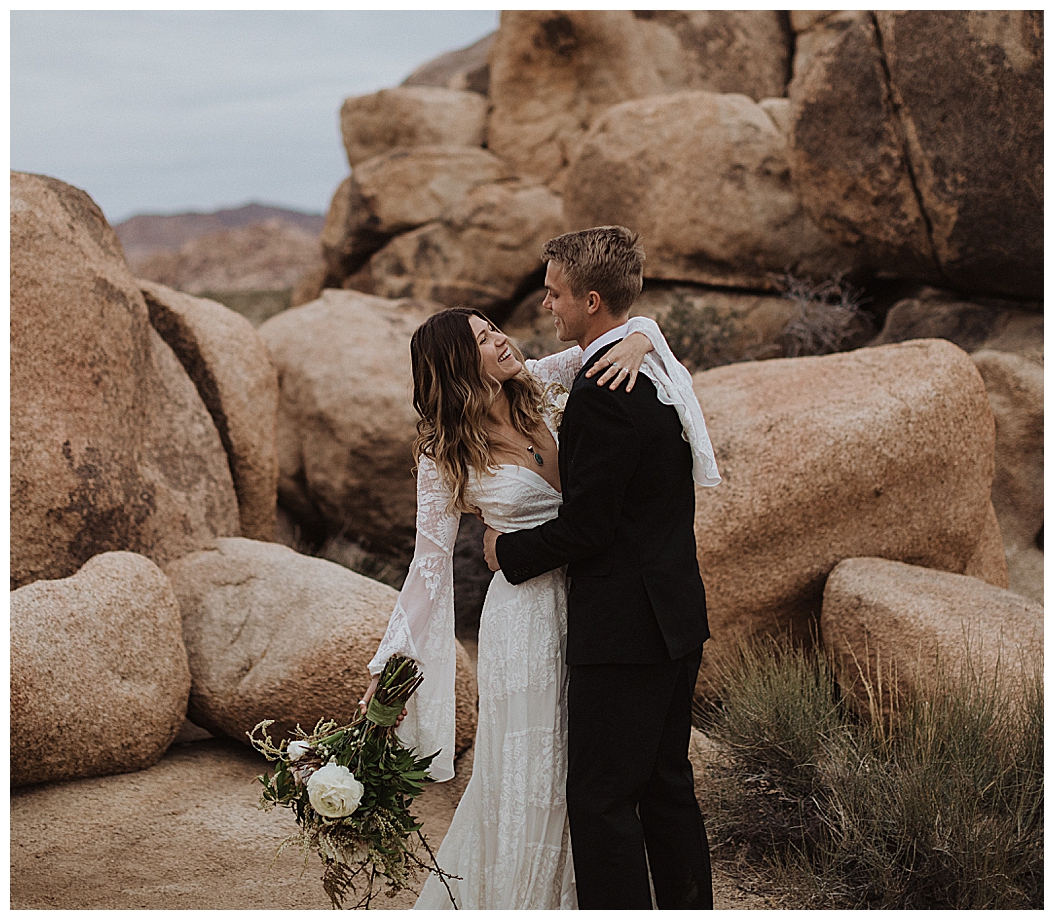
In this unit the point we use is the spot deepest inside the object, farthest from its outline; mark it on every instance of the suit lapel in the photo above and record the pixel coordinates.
(580, 381)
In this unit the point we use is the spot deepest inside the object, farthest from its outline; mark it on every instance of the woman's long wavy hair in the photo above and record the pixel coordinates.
(453, 396)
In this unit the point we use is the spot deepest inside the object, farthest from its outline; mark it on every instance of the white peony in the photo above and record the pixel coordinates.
(333, 791)
(297, 749)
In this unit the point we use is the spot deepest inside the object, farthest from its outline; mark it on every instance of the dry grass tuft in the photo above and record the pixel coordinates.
(942, 810)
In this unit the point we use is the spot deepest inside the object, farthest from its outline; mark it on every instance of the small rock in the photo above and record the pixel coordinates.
(895, 629)
(99, 676)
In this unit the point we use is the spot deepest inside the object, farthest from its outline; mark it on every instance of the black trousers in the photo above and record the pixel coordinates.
(630, 787)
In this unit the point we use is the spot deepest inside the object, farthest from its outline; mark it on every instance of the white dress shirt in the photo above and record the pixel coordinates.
(612, 335)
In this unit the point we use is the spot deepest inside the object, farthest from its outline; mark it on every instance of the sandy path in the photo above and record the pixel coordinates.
(186, 834)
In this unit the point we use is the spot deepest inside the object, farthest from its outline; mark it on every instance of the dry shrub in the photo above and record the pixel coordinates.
(942, 810)
(830, 317)
(701, 337)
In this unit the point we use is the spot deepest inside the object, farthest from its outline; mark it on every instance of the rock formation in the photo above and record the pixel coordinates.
(918, 139)
(99, 677)
(396, 192)
(704, 178)
(883, 452)
(742, 144)
(892, 629)
(111, 446)
(232, 371)
(480, 254)
(553, 72)
(272, 634)
(345, 418)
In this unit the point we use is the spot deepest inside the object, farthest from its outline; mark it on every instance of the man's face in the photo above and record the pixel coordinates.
(571, 314)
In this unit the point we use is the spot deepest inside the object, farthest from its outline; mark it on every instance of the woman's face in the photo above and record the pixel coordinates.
(499, 361)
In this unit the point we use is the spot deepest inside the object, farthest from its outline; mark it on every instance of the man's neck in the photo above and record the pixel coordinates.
(592, 335)
(610, 334)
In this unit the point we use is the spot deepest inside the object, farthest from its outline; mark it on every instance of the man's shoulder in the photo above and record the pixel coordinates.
(586, 389)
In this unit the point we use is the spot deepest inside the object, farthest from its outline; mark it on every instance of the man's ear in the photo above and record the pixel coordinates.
(593, 303)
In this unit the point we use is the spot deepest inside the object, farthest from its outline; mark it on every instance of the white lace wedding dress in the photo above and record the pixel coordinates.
(509, 839)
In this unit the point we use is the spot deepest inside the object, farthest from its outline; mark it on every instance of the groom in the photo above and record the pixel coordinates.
(636, 605)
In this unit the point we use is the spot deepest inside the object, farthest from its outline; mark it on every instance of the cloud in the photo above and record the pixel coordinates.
(180, 110)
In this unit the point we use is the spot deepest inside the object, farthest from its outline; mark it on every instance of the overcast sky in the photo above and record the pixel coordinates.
(164, 112)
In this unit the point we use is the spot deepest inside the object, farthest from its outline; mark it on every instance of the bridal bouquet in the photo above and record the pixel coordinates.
(350, 788)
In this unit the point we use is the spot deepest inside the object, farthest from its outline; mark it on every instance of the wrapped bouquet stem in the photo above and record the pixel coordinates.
(350, 788)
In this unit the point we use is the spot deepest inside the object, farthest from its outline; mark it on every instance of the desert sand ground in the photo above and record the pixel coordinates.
(187, 834)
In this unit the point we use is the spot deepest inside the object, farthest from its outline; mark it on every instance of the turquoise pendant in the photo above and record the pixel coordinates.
(537, 456)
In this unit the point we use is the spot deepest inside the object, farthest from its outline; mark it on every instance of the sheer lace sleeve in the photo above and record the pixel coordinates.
(421, 626)
(673, 384)
(560, 368)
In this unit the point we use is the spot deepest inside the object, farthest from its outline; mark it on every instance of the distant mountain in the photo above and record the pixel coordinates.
(268, 255)
(150, 233)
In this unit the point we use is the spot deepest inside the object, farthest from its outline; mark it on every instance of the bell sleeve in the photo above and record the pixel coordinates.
(421, 626)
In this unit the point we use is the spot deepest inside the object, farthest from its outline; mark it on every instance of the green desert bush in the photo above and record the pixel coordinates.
(941, 808)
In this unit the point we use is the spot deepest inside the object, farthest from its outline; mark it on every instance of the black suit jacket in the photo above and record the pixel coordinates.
(626, 529)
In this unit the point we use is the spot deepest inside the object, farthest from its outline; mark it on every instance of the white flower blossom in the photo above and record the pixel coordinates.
(333, 791)
(297, 749)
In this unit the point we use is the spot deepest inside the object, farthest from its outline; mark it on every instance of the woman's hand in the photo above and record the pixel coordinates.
(622, 362)
(368, 695)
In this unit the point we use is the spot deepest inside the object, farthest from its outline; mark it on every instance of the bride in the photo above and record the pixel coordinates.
(487, 445)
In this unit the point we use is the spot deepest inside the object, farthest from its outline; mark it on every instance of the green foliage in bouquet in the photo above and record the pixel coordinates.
(350, 788)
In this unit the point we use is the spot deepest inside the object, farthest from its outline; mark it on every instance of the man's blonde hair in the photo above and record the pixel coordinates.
(608, 260)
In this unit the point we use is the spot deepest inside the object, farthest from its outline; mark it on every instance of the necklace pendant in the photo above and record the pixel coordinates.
(537, 456)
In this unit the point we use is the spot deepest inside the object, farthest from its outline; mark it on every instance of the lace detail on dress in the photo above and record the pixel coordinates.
(432, 567)
(509, 840)
(530, 622)
(560, 368)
